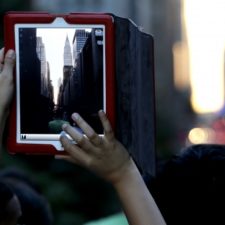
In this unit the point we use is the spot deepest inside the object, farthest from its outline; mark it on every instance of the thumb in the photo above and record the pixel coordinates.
(1, 55)
(9, 62)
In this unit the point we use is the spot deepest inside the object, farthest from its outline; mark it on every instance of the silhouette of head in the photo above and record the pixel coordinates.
(190, 188)
(35, 208)
(10, 208)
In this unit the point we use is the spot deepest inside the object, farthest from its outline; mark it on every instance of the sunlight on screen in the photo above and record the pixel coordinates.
(49, 41)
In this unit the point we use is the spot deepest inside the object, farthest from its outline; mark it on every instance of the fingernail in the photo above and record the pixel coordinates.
(63, 133)
(64, 126)
(58, 157)
(11, 54)
(75, 116)
(101, 112)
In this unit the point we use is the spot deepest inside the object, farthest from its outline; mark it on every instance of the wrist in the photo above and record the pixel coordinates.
(126, 174)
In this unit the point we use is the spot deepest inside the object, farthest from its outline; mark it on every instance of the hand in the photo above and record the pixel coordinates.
(103, 155)
(6, 87)
(6, 79)
(109, 159)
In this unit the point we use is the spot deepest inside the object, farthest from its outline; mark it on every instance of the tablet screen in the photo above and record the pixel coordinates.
(60, 70)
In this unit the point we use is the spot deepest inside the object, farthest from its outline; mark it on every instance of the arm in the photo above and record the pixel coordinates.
(138, 203)
(6, 87)
(108, 158)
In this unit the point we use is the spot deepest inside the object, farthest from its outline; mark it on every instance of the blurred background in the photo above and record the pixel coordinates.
(189, 88)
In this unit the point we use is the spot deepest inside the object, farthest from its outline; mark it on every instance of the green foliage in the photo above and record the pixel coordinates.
(118, 219)
(55, 126)
(75, 195)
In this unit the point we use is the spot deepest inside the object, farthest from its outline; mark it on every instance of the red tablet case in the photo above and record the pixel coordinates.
(12, 18)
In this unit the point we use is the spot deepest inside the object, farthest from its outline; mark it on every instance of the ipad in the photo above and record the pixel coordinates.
(64, 65)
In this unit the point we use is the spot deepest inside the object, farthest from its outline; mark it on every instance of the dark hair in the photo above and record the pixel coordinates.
(6, 195)
(20, 175)
(35, 208)
(190, 188)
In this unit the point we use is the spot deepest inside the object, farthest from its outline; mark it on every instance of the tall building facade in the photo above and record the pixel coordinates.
(45, 70)
(81, 89)
(36, 90)
(79, 40)
(68, 58)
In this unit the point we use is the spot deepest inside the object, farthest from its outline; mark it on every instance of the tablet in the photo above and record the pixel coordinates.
(65, 64)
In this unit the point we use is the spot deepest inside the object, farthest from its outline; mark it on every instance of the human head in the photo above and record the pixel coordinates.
(190, 188)
(10, 208)
(35, 208)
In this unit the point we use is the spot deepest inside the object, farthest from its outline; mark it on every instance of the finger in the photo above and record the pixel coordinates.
(77, 155)
(2, 55)
(109, 134)
(87, 129)
(77, 137)
(66, 158)
(1, 58)
(9, 62)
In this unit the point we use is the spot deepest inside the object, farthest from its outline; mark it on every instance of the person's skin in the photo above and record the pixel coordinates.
(7, 63)
(107, 157)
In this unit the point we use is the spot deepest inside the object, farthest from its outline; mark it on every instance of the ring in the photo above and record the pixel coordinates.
(100, 141)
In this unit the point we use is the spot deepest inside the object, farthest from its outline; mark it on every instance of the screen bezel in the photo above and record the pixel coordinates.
(52, 139)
